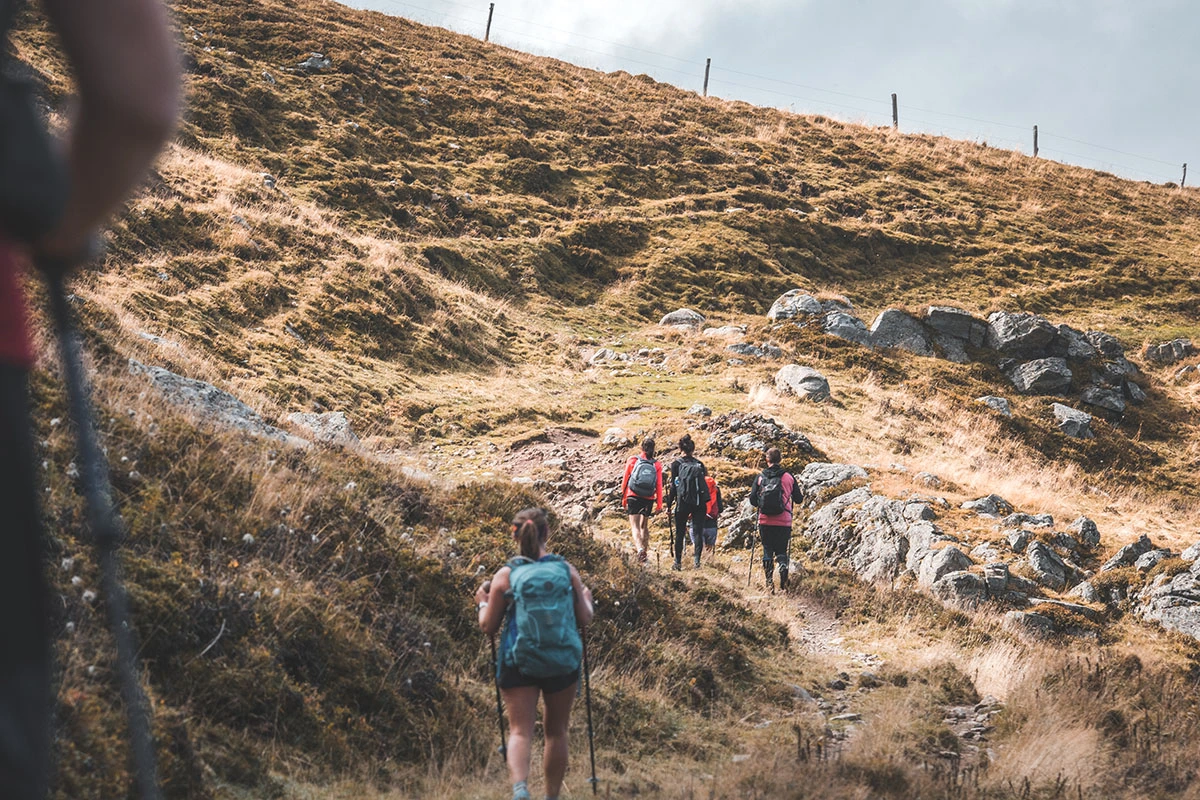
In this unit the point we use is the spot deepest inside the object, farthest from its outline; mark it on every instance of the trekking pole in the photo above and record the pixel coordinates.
(499, 708)
(587, 695)
(750, 571)
(106, 534)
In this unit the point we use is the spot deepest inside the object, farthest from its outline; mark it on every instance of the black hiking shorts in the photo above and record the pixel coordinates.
(513, 678)
(639, 505)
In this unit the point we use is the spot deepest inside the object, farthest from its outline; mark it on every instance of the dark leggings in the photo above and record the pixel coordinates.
(24, 627)
(775, 541)
(682, 514)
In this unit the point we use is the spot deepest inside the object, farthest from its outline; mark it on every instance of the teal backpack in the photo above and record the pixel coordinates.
(541, 638)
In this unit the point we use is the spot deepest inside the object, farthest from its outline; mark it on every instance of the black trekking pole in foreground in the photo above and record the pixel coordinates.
(587, 696)
(106, 533)
(753, 544)
(499, 708)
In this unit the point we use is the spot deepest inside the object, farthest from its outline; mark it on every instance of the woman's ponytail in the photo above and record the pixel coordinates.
(531, 529)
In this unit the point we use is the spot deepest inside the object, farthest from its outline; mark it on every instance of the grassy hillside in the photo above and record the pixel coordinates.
(434, 235)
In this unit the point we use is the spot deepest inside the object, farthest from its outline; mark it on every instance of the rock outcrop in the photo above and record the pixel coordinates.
(804, 383)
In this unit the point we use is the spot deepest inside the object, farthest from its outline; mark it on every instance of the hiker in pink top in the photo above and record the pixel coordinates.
(774, 494)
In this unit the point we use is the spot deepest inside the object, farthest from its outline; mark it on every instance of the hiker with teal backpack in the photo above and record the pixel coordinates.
(775, 493)
(52, 200)
(688, 493)
(642, 494)
(542, 603)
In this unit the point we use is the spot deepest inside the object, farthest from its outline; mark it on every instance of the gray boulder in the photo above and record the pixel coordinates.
(209, 403)
(818, 477)
(1049, 570)
(1118, 371)
(963, 589)
(864, 533)
(803, 382)
(330, 428)
(1128, 554)
(845, 325)
(1148, 561)
(699, 410)
(315, 62)
(1108, 345)
(1041, 376)
(985, 552)
(726, 331)
(1107, 397)
(1036, 520)
(1135, 393)
(745, 349)
(896, 328)
(938, 563)
(1174, 604)
(1086, 532)
(684, 318)
(1168, 352)
(1022, 335)
(794, 303)
(1070, 343)
(740, 525)
(1086, 592)
(995, 576)
(1073, 422)
(957, 324)
(1018, 540)
(991, 506)
(997, 404)
(1191, 553)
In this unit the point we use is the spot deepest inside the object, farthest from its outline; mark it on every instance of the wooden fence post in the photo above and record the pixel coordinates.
(1035, 143)
(1183, 180)
(895, 113)
(488, 32)
(707, 65)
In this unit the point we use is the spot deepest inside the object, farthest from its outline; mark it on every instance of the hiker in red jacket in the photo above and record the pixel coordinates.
(127, 75)
(642, 494)
(774, 494)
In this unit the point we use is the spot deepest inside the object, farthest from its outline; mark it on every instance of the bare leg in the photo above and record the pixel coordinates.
(638, 526)
(555, 721)
(522, 713)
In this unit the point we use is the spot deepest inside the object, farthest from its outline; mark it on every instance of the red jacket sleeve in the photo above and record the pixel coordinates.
(658, 492)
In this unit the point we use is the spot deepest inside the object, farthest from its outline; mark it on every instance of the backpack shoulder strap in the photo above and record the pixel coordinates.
(518, 561)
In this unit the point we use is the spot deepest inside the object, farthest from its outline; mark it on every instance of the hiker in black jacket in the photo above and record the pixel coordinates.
(688, 493)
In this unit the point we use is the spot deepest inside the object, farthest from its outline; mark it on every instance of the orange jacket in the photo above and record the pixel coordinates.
(626, 493)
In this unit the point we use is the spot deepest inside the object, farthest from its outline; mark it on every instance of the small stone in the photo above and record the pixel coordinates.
(997, 404)
(1074, 423)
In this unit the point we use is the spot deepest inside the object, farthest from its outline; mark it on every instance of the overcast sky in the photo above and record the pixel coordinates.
(1111, 84)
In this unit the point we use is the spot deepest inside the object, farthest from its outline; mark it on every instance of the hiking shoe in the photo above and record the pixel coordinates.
(677, 566)
(641, 556)
(521, 793)
(783, 580)
(696, 562)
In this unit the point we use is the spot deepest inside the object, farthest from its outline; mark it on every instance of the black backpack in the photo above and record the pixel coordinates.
(33, 179)
(691, 491)
(643, 480)
(770, 494)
